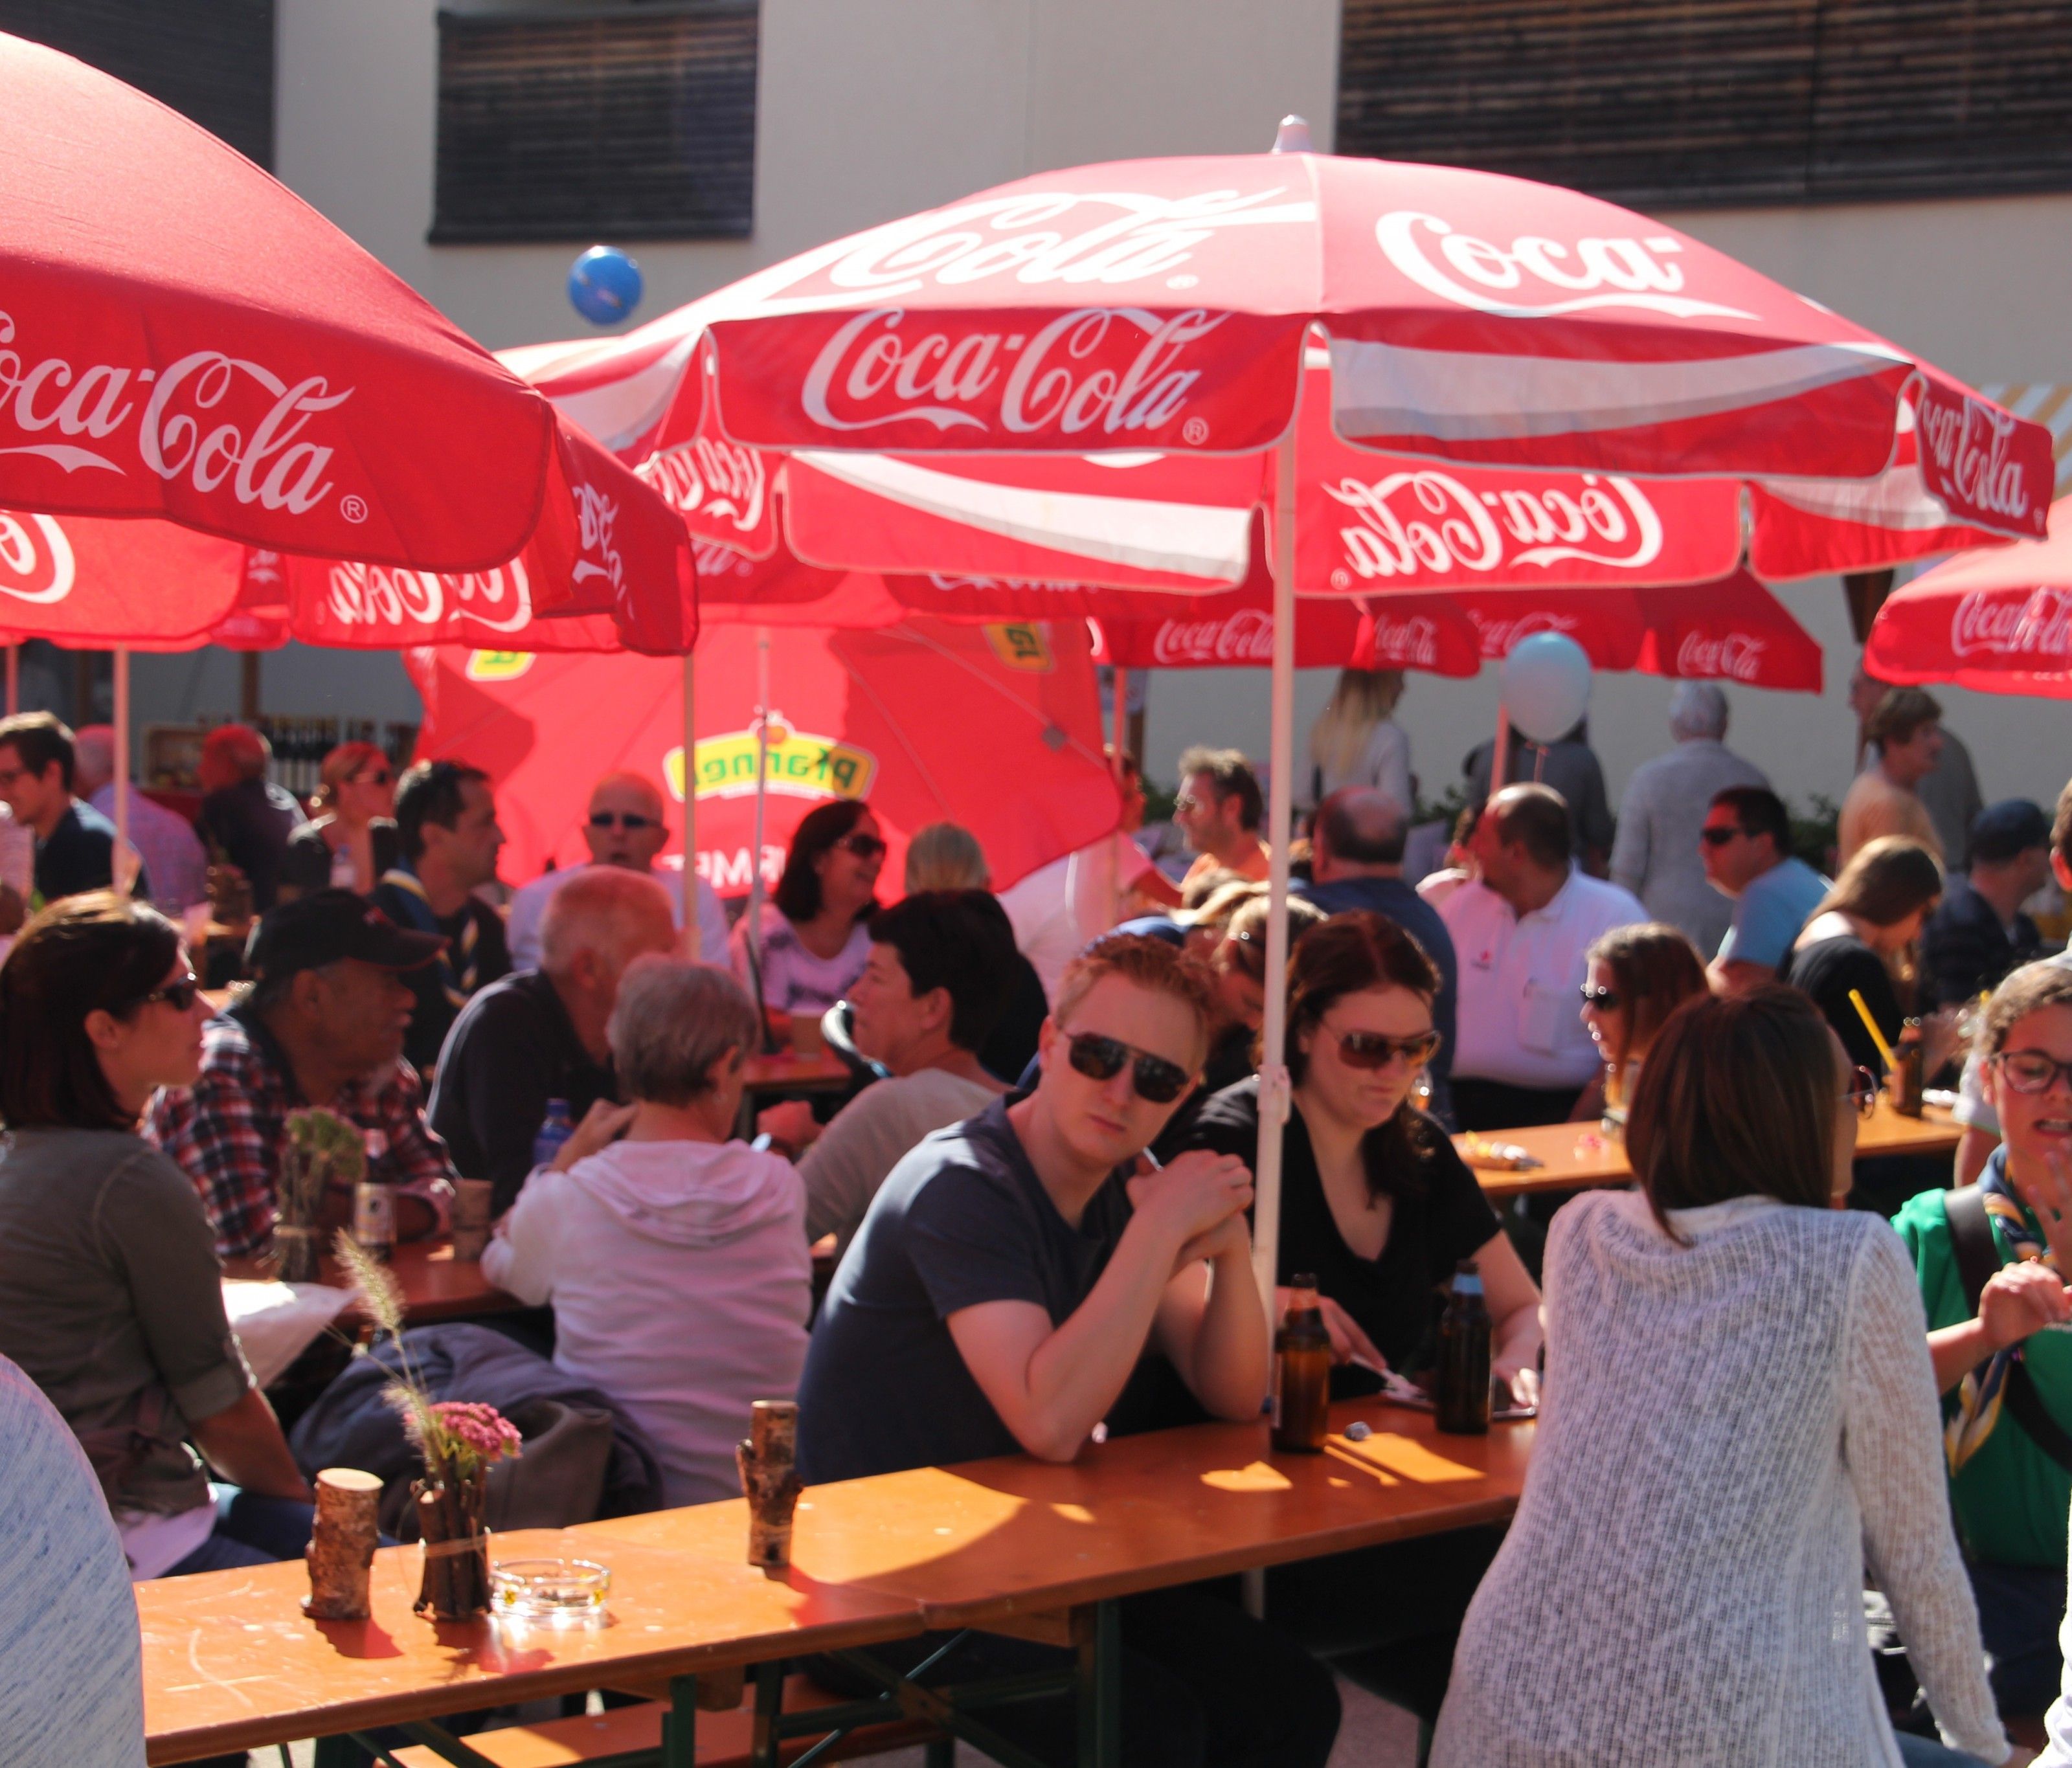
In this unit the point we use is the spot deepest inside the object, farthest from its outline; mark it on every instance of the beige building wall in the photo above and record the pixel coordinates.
(869, 111)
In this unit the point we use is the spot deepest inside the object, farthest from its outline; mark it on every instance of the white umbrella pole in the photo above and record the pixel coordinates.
(124, 873)
(1274, 1090)
(692, 942)
(762, 799)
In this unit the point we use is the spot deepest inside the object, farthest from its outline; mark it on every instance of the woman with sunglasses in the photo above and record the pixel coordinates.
(814, 937)
(1740, 1422)
(111, 1295)
(2009, 1493)
(1638, 977)
(352, 840)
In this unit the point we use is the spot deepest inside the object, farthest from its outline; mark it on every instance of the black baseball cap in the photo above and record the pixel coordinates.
(2001, 831)
(328, 925)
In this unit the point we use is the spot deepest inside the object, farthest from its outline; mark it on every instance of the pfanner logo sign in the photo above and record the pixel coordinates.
(36, 563)
(799, 765)
(211, 420)
(1426, 524)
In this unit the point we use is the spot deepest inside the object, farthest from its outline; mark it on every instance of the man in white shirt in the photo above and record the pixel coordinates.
(940, 965)
(1520, 933)
(626, 827)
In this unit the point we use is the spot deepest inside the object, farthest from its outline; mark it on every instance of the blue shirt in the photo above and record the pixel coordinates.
(1769, 913)
(1393, 900)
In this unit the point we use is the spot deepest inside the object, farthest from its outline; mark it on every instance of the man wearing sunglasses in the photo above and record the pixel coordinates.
(1745, 848)
(626, 826)
(1009, 1275)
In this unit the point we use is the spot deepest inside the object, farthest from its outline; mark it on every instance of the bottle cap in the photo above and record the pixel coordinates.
(1467, 1280)
(1302, 1281)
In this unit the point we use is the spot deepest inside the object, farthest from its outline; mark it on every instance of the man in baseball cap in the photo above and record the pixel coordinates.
(1979, 932)
(322, 1025)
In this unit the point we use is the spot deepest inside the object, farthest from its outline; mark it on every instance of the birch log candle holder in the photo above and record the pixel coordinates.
(341, 1548)
(771, 1480)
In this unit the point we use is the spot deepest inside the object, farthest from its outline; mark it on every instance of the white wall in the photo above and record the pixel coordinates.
(866, 111)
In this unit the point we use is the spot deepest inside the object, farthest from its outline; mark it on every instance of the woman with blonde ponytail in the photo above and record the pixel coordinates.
(1357, 742)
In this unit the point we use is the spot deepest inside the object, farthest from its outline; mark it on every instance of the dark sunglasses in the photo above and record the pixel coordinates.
(1102, 1058)
(1376, 1049)
(629, 820)
(864, 847)
(1719, 834)
(1863, 1091)
(1604, 999)
(179, 996)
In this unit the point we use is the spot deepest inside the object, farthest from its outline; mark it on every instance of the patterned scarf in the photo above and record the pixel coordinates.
(1979, 1397)
(459, 973)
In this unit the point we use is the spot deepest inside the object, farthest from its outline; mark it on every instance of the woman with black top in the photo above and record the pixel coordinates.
(1374, 1200)
(1859, 938)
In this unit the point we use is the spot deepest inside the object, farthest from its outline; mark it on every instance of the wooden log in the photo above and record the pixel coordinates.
(770, 1480)
(342, 1543)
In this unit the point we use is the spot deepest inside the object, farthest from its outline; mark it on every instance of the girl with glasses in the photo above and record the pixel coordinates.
(352, 840)
(1638, 977)
(814, 939)
(111, 1294)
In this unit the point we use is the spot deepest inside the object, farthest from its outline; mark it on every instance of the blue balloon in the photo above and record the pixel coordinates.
(604, 285)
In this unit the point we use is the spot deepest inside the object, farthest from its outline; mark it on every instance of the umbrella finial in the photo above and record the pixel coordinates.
(1292, 136)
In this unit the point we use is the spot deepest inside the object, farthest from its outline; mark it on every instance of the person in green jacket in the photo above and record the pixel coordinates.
(2010, 1495)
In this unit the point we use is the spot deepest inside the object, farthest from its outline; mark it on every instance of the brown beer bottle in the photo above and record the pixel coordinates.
(1904, 1083)
(1302, 1373)
(1461, 1396)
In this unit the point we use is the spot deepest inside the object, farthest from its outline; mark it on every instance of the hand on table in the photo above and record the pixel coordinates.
(2021, 1299)
(1349, 1343)
(790, 1121)
(1198, 1193)
(1520, 1381)
(601, 1126)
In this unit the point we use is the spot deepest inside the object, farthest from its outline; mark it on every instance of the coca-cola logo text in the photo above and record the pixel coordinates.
(709, 477)
(1423, 522)
(1405, 644)
(1971, 445)
(1499, 634)
(1246, 636)
(596, 514)
(1593, 272)
(2035, 624)
(1092, 372)
(1732, 656)
(379, 595)
(211, 420)
(36, 563)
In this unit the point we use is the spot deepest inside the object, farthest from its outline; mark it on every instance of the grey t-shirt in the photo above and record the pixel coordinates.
(111, 1299)
(962, 1220)
(867, 1138)
(72, 1673)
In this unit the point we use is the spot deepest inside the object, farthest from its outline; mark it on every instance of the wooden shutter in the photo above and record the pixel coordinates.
(1668, 102)
(211, 61)
(615, 123)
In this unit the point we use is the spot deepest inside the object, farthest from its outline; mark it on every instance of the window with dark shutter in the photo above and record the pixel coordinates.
(621, 122)
(213, 63)
(1664, 103)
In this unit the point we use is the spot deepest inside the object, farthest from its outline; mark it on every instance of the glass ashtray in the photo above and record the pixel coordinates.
(550, 1593)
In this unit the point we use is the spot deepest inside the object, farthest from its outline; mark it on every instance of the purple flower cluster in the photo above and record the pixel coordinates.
(480, 1431)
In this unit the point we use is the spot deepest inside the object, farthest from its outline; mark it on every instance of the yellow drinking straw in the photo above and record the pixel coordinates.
(1870, 1024)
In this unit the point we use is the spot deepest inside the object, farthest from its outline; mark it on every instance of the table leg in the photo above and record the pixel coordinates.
(1100, 1690)
(680, 1725)
(768, 1738)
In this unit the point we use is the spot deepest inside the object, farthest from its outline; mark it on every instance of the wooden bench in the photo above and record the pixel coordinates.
(723, 1738)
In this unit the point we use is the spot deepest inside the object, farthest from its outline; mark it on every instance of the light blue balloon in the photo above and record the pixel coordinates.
(1546, 685)
(604, 285)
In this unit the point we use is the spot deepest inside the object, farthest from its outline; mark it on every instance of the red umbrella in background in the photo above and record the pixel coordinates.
(995, 728)
(1999, 620)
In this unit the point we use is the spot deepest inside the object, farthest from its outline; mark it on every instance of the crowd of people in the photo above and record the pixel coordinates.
(1032, 1203)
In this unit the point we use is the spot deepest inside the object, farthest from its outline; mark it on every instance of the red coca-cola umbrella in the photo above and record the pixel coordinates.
(1998, 619)
(995, 729)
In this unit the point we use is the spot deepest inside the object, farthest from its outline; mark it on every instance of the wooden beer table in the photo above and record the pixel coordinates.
(787, 1071)
(1012, 1545)
(1575, 1157)
(437, 1287)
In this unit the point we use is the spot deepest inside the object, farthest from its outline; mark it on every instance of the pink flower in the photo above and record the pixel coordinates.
(477, 1430)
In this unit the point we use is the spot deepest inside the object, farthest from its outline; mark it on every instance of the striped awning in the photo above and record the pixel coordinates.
(2048, 405)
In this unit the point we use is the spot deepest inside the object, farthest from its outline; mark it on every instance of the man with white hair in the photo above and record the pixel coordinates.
(540, 1034)
(625, 827)
(175, 861)
(1655, 855)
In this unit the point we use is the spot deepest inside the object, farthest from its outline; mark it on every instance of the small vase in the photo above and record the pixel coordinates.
(456, 1578)
(295, 1253)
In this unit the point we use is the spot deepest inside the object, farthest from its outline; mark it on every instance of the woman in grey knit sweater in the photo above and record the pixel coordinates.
(1739, 1420)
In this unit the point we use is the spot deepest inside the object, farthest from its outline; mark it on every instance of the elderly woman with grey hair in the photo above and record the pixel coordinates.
(1655, 854)
(674, 1259)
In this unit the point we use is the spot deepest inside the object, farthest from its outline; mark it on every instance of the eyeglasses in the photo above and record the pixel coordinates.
(631, 820)
(864, 847)
(179, 996)
(1375, 1050)
(1184, 803)
(1604, 999)
(1863, 1091)
(1719, 834)
(2030, 1071)
(1102, 1058)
